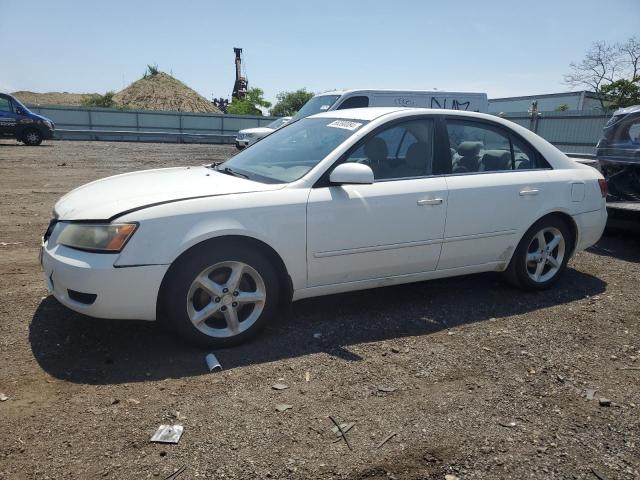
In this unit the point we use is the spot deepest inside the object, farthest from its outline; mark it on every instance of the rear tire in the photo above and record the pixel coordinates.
(219, 296)
(31, 137)
(541, 256)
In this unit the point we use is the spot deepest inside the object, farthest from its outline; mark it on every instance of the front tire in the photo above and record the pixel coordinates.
(541, 256)
(218, 296)
(32, 137)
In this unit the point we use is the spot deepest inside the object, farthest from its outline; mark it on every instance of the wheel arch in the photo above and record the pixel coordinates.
(286, 285)
(562, 215)
(24, 129)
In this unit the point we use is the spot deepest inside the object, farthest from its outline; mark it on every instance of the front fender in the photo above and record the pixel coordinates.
(167, 231)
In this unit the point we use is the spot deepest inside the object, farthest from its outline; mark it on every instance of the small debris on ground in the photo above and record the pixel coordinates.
(212, 363)
(387, 389)
(509, 424)
(346, 426)
(342, 432)
(307, 376)
(167, 434)
(386, 439)
(317, 335)
(279, 386)
(451, 477)
(590, 392)
(282, 407)
(598, 474)
(176, 473)
(3, 397)
(604, 402)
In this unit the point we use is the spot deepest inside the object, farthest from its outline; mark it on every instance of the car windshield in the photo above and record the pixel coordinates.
(278, 123)
(289, 153)
(318, 104)
(20, 104)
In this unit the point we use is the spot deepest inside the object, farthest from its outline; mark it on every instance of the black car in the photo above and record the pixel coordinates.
(17, 121)
(618, 154)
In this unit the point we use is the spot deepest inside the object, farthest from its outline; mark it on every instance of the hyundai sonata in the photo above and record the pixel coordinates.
(339, 201)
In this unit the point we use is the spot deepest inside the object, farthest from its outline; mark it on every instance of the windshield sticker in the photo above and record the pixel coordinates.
(345, 124)
(324, 107)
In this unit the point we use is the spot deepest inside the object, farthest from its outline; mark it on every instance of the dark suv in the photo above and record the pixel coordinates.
(16, 121)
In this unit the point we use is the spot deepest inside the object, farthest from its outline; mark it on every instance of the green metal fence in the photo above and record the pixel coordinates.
(80, 123)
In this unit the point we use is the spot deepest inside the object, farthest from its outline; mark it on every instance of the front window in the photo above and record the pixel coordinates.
(289, 153)
(277, 123)
(404, 150)
(318, 104)
(5, 104)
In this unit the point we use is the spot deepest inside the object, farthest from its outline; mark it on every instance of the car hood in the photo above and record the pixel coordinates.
(39, 117)
(111, 197)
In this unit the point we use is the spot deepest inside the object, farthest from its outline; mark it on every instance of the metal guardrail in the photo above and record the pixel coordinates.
(95, 134)
(90, 123)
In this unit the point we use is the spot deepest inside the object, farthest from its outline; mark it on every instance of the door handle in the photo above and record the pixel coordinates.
(531, 191)
(430, 201)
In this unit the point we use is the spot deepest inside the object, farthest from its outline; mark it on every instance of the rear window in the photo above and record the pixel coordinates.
(359, 101)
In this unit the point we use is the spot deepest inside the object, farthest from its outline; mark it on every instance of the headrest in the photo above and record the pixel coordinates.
(417, 155)
(376, 149)
(496, 160)
(469, 149)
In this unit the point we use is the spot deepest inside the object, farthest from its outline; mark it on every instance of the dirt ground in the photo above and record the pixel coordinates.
(473, 378)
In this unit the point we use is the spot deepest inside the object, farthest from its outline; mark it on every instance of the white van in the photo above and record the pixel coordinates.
(339, 100)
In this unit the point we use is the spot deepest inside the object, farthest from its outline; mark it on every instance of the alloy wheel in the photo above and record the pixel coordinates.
(226, 299)
(545, 254)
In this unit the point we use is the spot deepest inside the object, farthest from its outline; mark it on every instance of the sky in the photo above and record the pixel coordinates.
(503, 48)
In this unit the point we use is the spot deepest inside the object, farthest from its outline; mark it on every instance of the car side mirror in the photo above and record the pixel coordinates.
(20, 111)
(351, 173)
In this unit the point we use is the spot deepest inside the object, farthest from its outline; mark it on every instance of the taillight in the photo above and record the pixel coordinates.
(604, 190)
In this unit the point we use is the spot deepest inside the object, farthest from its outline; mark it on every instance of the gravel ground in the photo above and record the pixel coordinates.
(470, 377)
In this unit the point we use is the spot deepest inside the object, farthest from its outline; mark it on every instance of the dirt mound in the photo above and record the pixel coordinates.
(50, 98)
(163, 92)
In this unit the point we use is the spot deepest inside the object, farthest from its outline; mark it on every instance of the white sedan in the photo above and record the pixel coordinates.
(249, 136)
(335, 202)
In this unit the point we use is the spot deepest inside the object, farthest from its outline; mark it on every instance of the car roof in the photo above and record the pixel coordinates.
(371, 113)
(394, 90)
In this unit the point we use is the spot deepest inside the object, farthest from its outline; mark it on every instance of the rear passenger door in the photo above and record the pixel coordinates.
(497, 185)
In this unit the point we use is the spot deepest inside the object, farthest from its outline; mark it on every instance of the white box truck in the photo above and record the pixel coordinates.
(340, 100)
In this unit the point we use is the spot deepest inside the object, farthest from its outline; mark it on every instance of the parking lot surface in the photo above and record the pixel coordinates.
(464, 376)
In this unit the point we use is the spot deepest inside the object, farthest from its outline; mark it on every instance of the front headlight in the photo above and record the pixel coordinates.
(108, 238)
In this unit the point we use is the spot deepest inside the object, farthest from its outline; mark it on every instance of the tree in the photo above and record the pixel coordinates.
(622, 93)
(605, 64)
(249, 104)
(563, 107)
(290, 102)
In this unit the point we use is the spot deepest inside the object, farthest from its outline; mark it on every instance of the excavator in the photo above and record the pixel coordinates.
(241, 84)
(239, 87)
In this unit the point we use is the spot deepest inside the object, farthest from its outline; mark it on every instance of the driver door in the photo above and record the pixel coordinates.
(392, 227)
(8, 120)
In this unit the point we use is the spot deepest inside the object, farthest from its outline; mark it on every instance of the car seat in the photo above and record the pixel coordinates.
(495, 160)
(377, 154)
(416, 160)
(469, 157)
